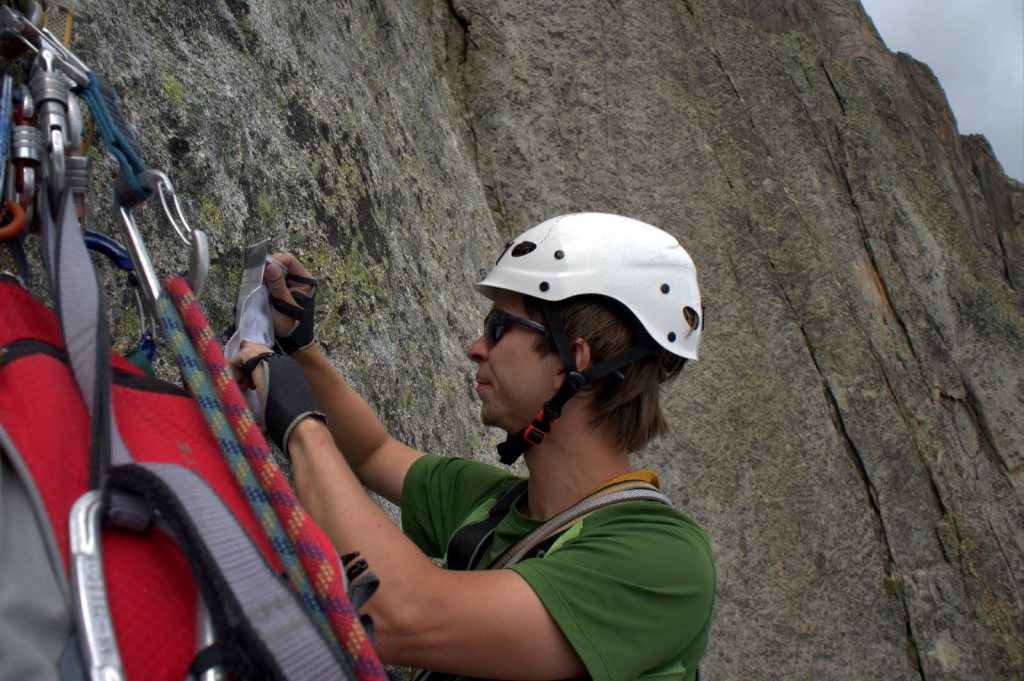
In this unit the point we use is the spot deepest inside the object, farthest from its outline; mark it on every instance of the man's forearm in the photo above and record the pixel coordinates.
(336, 501)
(356, 430)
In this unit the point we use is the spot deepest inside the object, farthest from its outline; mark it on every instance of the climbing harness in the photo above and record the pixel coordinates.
(469, 544)
(136, 471)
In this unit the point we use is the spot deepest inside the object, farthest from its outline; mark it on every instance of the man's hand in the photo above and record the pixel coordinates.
(292, 303)
(282, 388)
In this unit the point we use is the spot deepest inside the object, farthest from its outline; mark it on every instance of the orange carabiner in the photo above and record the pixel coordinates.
(17, 223)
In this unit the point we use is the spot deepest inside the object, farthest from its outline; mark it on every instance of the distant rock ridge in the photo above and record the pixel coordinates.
(966, 167)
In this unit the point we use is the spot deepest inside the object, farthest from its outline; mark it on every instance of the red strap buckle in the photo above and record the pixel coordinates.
(539, 429)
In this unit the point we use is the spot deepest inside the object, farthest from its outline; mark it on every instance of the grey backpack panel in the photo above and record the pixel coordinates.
(35, 621)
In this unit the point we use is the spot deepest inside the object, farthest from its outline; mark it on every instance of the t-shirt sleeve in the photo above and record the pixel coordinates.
(439, 492)
(631, 588)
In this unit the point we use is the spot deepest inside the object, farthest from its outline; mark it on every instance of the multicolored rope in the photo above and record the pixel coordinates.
(269, 485)
(198, 382)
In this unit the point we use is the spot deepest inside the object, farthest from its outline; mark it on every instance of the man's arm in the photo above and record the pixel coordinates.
(487, 624)
(379, 460)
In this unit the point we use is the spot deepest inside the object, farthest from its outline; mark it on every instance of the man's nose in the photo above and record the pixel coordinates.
(477, 350)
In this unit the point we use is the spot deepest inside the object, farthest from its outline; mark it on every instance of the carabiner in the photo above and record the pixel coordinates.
(145, 273)
(119, 255)
(195, 239)
(6, 129)
(24, 31)
(28, 149)
(50, 93)
(77, 164)
(17, 223)
(12, 45)
(157, 181)
(114, 251)
(92, 608)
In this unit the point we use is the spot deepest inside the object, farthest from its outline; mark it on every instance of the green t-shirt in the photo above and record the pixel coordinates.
(632, 588)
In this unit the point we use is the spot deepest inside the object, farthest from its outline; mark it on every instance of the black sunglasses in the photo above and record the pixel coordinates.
(496, 321)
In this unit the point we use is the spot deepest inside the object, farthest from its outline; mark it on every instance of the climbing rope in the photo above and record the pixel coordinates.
(287, 524)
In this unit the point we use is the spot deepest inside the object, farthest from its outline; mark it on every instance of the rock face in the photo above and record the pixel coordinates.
(852, 436)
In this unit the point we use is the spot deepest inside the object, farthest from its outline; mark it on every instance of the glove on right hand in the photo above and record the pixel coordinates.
(300, 336)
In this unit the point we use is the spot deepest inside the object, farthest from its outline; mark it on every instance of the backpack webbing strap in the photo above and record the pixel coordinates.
(84, 325)
(468, 545)
(257, 605)
(474, 535)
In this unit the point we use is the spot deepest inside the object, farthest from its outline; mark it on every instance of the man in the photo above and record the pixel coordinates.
(591, 313)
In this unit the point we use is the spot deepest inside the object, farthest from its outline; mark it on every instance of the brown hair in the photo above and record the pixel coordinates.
(628, 407)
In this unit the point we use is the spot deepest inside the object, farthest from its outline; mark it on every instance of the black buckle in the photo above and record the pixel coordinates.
(534, 435)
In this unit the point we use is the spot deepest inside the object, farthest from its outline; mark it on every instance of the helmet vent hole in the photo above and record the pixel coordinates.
(665, 288)
(691, 317)
(671, 336)
(523, 248)
(544, 286)
(559, 255)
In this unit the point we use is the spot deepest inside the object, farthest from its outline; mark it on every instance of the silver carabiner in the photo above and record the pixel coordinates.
(68, 63)
(195, 239)
(157, 181)
(51, 101)
(145, 273)
(198, 263)
(77, 166)
(92, 607)
(206, 637)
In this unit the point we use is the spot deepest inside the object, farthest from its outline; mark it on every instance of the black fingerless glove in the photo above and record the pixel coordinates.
(301, 334)
(287, 396)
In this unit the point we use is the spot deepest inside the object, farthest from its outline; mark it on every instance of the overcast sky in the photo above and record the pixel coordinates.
(976, 49)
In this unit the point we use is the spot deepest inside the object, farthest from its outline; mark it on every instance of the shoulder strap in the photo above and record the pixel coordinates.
(470, 543)
(627, 490)
(466, 548)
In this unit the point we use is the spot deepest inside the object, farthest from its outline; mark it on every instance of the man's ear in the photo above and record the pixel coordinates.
(581, 349)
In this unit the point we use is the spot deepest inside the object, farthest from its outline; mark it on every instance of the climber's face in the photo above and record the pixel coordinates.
(513, 378)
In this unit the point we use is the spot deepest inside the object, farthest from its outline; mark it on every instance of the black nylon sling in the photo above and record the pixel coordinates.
(469, 544)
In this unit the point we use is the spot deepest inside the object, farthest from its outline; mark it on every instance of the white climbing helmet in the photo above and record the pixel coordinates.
(636, 264)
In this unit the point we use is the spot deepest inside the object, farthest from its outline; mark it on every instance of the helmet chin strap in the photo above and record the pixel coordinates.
(515, 445)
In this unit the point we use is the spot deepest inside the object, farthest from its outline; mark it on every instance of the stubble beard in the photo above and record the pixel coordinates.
(488, 417)
(496, 418)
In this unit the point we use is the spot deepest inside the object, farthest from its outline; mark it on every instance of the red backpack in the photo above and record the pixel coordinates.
(147, 564)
